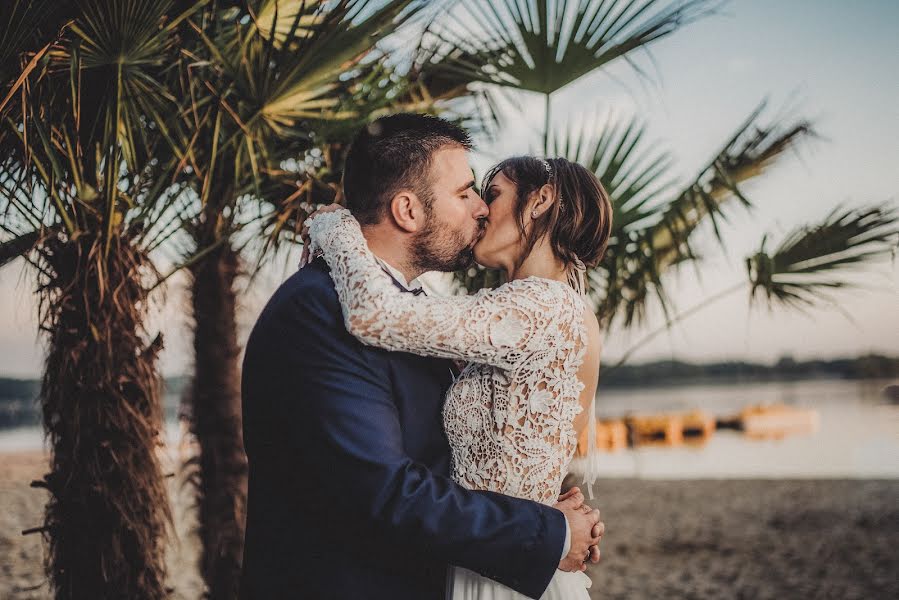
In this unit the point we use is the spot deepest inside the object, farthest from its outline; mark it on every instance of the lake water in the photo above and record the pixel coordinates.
(858, 434)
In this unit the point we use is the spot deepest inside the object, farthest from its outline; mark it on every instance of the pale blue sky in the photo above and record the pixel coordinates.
(833, 61)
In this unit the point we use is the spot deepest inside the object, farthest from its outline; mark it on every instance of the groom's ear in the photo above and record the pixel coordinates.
(407, 211)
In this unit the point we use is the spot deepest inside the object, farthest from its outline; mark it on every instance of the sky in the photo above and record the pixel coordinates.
(835, 63)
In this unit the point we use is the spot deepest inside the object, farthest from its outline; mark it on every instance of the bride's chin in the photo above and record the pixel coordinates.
(479, 257)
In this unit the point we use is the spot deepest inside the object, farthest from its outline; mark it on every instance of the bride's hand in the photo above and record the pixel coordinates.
(306, 257)
(573, 499)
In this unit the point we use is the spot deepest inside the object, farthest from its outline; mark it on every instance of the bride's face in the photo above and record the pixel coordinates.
(502, 240)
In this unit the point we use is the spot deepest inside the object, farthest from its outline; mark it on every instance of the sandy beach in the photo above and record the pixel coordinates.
(672, 539)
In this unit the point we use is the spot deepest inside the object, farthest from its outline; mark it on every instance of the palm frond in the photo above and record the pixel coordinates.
(652, 234)
(812, 260)
(543, 46)
(807, 264)
(751, 151)
(262, 89)
(18, 246)
(634, 172)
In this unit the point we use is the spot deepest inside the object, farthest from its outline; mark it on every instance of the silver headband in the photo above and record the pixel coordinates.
(549, 172)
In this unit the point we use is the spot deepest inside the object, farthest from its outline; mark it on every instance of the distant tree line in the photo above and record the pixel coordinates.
(667, 372)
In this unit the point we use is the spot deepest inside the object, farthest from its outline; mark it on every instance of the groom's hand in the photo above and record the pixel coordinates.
(586, 531)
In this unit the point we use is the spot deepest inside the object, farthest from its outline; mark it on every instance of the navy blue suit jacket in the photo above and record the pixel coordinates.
(350, 493)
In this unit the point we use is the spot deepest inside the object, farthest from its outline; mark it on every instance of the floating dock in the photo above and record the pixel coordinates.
(611, 435)
(777, 420)
(696, 427)
(668, 429)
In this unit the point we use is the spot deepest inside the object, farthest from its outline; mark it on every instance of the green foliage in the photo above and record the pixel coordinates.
(813, 260)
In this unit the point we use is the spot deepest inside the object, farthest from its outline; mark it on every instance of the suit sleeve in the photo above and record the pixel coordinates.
(348, 403)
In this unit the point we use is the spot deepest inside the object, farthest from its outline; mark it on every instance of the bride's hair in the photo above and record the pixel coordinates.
(579, 222)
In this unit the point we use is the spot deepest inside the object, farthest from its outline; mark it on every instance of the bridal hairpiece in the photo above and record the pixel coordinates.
(549, 173)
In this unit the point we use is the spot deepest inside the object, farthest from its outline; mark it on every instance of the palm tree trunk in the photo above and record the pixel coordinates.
(105, 521)
(216, 420)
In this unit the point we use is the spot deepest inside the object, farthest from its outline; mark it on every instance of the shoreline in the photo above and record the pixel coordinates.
(676, 538)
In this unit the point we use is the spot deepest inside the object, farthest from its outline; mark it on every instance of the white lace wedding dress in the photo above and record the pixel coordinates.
(509, 414)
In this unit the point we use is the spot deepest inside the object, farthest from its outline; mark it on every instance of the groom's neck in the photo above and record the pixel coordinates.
(390, 246)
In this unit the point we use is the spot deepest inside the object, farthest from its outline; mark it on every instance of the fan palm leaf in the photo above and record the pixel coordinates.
(633, 172)
(808, 264)
(18, 246)
(750, 152)
(543, 46)
(811, 260)
(654, 236)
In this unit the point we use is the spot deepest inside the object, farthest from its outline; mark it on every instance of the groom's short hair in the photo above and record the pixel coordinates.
(391, 154)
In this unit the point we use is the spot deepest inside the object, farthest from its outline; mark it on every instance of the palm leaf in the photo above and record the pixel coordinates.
(543, 46)
(752, 150)
(652, 234)
(810, 260)
(633, 172)
(276, 90)
(285, 21)
(807, 264)
(18, 246)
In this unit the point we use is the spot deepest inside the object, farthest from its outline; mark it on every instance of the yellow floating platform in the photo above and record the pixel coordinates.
(777, 420)
(611, 435)
(671, 429)
(696, 427)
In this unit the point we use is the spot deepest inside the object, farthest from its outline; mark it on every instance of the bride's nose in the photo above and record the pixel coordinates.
(481, 211)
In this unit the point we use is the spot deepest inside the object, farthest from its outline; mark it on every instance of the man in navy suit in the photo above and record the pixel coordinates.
(350, 494)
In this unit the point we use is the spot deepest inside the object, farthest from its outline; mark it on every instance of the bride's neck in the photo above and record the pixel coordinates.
(541, 261)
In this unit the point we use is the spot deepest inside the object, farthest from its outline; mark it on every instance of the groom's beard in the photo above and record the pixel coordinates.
(437, 248)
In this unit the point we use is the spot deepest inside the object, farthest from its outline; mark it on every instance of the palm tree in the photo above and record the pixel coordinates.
(82, 174)
(264, 83)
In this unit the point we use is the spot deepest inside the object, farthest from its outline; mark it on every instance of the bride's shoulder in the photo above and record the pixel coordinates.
(539, 289)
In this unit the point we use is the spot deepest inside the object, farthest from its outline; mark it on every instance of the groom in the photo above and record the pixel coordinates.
(350, 493)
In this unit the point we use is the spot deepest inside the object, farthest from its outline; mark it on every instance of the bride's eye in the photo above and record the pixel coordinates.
(490, 196)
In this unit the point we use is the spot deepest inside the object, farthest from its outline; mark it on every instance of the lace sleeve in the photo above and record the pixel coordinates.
(499, 327)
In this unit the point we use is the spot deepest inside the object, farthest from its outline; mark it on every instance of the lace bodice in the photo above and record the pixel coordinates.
(509, 414)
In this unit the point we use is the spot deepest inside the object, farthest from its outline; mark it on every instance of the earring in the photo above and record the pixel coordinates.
(534, 214)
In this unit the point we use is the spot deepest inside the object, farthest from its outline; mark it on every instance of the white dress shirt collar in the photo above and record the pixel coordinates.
(410, 286)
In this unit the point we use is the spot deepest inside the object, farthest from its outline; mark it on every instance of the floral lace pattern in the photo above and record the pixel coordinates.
(509, 414)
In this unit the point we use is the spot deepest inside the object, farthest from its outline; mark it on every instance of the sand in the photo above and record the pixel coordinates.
(754, 539)
(665, 539)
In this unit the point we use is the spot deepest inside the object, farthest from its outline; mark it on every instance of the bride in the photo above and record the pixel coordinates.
(532, 345)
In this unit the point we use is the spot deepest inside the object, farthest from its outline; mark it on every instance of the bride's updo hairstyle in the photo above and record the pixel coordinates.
(579, 222)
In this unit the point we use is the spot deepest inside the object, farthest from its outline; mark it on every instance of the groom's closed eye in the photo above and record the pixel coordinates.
(462, 192)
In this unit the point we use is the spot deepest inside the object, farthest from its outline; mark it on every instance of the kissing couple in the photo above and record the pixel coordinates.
(410, 446)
